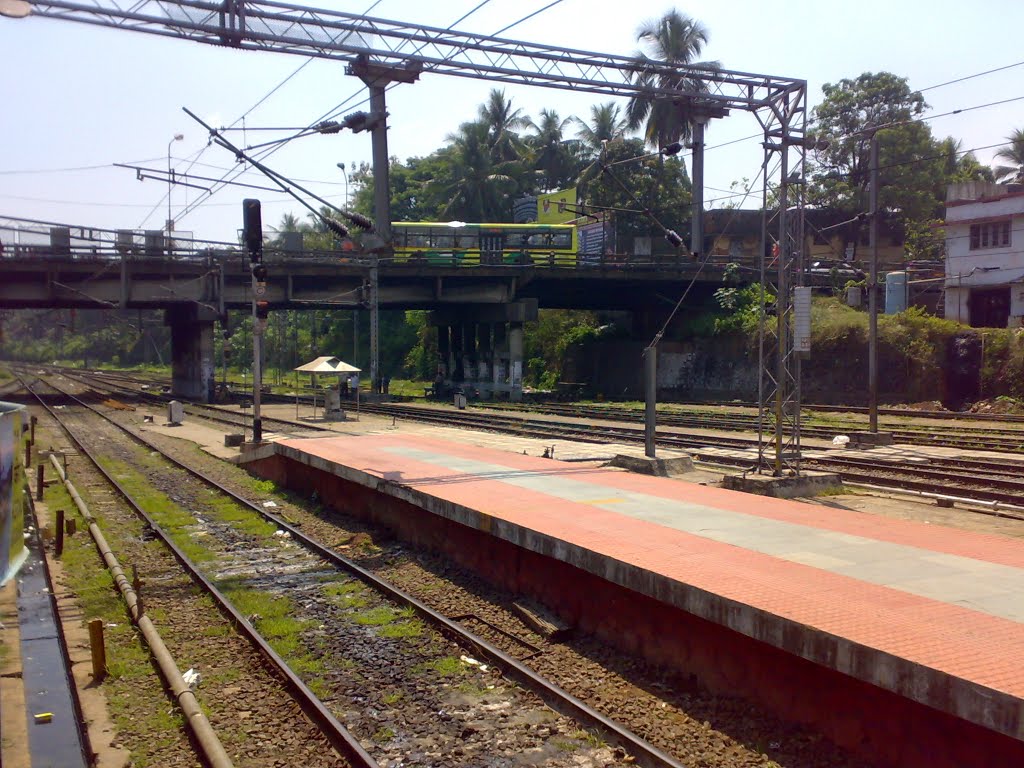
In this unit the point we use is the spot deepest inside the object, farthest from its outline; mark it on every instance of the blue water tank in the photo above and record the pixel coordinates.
(895, 292)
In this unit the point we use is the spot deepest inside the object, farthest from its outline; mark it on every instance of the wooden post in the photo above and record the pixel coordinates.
(28, 456)
(72, 526)
(32, 430)
(58, 546)
(39, 481)
(99, 651)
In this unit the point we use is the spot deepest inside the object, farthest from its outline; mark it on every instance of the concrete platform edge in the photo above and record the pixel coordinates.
(974, 703)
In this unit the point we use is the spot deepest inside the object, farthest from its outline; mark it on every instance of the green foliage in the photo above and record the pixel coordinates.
(914, 167)
(548, 338)
(1002, 370)
(658, 184)
(743, 308)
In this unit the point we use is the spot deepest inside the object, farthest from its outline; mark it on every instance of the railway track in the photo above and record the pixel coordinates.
(401, 649)
(990, 482)
(954, 437)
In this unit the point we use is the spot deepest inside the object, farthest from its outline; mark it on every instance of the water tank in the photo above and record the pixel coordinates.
(524, 210)
(895, 292)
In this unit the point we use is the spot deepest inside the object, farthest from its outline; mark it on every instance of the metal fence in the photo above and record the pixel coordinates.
(36, 239)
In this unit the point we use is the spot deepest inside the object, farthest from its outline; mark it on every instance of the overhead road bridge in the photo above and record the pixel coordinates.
(479, 308)
(51, 265)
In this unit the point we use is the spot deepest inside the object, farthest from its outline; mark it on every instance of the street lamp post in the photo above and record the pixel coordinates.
(342, 167)
(170, 221)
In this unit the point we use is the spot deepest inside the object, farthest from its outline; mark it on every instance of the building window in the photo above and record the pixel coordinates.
(994, 234)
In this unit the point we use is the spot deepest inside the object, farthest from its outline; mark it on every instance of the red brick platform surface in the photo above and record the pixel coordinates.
(930, 614)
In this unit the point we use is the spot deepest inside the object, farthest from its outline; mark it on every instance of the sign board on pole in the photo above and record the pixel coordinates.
(802, 319)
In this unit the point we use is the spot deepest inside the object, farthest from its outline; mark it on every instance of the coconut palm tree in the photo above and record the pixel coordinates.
(502, 122)
(674, 39)
(476, 187)
(606, 124)
(553, 157)
(1013, 154)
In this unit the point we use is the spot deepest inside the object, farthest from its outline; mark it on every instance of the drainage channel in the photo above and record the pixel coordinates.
(559, 700)
(55, 732)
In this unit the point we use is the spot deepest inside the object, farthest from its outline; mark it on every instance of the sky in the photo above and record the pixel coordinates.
(77, 98)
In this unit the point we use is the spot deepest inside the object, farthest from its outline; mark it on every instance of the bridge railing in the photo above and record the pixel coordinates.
(37, 239)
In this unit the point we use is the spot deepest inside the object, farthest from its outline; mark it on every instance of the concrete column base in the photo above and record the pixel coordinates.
(661, 467)
(806, 484)
(870, 439)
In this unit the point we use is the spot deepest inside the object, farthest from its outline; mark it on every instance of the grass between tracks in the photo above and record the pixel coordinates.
(137, 702)
(271, 615)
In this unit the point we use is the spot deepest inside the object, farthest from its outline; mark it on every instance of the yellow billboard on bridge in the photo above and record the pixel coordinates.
(557, 207)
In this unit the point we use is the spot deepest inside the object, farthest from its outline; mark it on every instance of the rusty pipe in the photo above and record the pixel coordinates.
(209, 743)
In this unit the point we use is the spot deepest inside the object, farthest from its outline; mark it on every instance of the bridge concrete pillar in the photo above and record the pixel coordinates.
(469, 356)
(458, 353)
(515, 355)
(484, 357)
(444, 353)
(500, 357)
(192, 360)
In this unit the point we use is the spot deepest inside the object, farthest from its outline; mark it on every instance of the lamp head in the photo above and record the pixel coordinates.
(179, 136)
(341, 165)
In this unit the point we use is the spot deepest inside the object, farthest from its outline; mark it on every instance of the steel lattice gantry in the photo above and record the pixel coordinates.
(407, 50)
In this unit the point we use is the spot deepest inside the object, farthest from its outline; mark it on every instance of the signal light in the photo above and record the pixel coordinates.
(260, 273)
(262, 310)
(252, 228)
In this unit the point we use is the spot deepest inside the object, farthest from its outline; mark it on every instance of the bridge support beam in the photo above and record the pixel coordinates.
(481, 347)
(192, 360)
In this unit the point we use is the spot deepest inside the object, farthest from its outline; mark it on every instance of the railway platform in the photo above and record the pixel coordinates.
(900, 640)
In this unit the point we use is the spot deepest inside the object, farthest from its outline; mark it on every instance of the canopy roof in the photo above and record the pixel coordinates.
(327, 365)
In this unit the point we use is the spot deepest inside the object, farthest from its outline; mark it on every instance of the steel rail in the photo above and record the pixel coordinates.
(336, 733)
(561, 701)
(850, 469)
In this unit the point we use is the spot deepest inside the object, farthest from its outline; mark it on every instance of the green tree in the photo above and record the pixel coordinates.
(637, 182)
(675, 39)
(502, 123)
(606, 124)
(555, 159)
(1014, 155)
(962, 166)
(913, 166)
(472, 185)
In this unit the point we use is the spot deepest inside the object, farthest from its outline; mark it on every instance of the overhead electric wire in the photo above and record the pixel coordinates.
(707, 256)
(336, 110)
(970, 77)
(327, 115)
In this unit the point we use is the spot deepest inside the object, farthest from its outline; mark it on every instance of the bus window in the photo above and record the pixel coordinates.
(442, 239)
(418, 238)
(466, 240)
(561, 240)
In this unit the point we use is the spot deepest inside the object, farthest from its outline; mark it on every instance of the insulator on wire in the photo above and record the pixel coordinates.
(329, 126)
(674, 239)
(336, 227)
(361, 221)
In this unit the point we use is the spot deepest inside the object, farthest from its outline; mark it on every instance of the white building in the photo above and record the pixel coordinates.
(985, 254)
